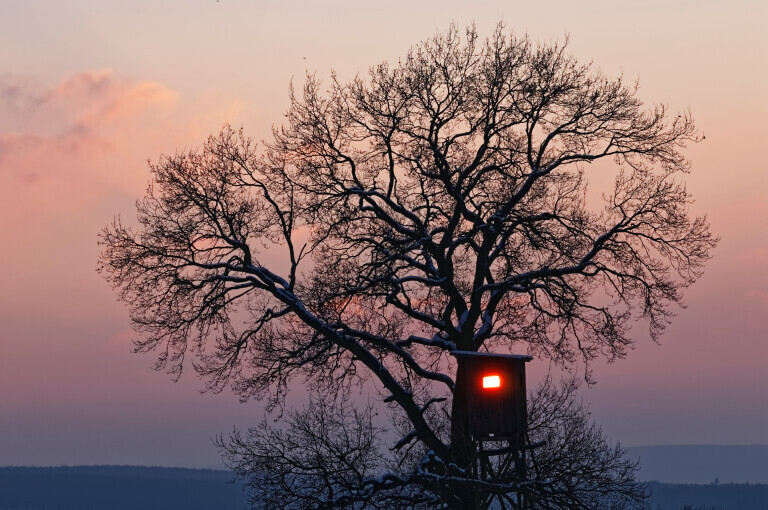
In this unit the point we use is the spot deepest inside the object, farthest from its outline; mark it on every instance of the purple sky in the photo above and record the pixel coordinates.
(89, 90)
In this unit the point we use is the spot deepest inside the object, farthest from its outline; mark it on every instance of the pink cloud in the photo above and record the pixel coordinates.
(92, 83)
(67, 147)
(97, 127)
(103, 98)
(74, 154)
(79, 115)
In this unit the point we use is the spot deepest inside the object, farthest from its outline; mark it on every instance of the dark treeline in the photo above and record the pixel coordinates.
(118, 488)
(149, 488)
(702, 463)
(726, 496)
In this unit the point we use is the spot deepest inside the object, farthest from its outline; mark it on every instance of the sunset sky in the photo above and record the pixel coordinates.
(89, 90)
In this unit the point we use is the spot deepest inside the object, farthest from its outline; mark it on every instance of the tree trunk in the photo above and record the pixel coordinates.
(462, 446)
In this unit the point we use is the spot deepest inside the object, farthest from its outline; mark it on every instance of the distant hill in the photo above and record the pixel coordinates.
(712, 496)
(702, 464)
(150, 488)
(118, 488)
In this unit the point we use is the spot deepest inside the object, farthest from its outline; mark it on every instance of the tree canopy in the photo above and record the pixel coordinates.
(434, 205)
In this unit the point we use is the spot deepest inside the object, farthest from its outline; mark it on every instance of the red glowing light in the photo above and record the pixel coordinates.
(491, 381)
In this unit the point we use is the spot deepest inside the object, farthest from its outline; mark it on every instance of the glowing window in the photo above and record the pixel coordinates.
(491, 381)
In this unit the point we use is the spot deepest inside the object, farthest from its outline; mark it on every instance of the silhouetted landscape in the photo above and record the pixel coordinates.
(687, 464)
(153, 488)
(118, 488)
(731, 496)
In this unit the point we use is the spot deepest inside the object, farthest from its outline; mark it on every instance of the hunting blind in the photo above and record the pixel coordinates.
(494, 388)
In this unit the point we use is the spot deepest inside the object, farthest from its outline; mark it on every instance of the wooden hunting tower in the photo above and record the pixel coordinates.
(494, 388)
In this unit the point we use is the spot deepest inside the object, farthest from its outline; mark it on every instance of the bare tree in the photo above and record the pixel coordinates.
(434, 205)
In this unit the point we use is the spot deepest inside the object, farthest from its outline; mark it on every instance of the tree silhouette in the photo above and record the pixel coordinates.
(328, 456)
(435, 205)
